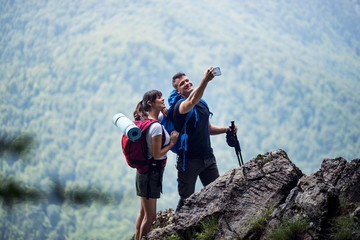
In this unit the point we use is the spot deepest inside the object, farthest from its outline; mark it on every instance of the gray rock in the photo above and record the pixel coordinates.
(263, 182)
(317, 196)
(243, 196)
(356, 214)
(317, 199)
(344, 175)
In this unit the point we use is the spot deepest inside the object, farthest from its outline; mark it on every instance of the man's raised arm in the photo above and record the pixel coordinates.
(197, 94)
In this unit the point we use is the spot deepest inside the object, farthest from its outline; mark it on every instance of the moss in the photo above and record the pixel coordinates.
(284, 155)
(264, 160)
(259, 157)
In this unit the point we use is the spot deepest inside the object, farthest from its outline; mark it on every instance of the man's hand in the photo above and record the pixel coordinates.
(198, 92)
(230, 130)
(214, 130)
(164, 112)
(209, 75)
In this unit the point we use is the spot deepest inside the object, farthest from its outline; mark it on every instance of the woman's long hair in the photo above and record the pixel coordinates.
(142, 108)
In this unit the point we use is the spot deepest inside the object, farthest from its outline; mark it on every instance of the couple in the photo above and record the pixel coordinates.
(199, 157)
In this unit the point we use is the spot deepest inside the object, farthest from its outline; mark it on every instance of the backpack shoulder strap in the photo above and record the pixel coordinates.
(173, 98)
(144, 124)
(205, 103)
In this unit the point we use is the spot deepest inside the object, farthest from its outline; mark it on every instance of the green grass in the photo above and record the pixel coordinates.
(209, 227)
(259, 224)
(290, 229)
(344, 228)
(172, 237)
(256, 226)
(207, 230)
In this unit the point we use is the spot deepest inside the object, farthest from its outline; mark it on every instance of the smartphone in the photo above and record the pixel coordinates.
(216, 71)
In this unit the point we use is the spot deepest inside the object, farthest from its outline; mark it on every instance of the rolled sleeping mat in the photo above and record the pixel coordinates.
(127, 126)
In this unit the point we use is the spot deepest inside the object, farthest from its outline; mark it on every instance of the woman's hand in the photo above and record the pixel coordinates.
(173, 137)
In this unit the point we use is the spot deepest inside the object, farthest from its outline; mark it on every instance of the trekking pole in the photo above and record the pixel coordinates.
(237, 144)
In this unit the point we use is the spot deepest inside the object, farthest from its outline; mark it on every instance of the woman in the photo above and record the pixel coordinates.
(148, 185)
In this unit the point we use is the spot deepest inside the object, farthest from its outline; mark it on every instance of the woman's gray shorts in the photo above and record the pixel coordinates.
(149, 184)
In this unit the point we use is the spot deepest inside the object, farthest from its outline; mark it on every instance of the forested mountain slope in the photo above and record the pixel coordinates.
(291, 77)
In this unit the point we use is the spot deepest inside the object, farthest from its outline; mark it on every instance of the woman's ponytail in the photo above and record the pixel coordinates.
(140, 111)
(142, 108)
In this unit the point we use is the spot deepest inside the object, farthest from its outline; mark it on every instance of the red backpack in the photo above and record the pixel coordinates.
(136, 152)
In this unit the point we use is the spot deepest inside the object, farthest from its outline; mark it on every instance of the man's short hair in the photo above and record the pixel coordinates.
(176, 76)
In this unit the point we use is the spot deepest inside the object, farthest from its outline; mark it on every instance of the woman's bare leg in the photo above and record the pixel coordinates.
(139, 221)
(149, 207)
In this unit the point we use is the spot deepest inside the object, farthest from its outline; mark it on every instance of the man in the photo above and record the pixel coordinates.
(199, 158)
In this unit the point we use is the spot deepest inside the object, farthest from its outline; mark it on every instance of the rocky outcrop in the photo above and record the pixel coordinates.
(324, 196)
(267, 194)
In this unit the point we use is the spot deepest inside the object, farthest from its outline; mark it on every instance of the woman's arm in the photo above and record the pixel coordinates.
(157, 150)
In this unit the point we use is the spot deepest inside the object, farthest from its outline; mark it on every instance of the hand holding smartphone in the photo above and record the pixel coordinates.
(216, 71)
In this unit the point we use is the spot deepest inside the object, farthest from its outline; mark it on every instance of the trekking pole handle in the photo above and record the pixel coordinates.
(232, 126)
(237, 146)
